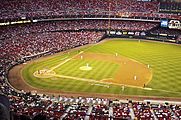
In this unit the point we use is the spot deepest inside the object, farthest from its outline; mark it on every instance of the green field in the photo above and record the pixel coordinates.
(164, 60)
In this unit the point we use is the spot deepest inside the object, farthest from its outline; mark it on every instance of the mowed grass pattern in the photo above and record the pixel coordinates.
(100, 69)
(164, 59)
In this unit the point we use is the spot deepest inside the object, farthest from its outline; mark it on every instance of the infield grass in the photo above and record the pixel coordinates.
(164, 60)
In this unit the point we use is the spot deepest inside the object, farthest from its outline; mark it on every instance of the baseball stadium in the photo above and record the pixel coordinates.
(90, 60)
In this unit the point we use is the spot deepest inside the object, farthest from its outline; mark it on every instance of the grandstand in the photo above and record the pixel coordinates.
(34, 29)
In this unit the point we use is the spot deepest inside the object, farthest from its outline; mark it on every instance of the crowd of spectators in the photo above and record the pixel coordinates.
(142, 111)
(129, 5)
(10, 31)
(10, 9)
(121, 111)
(148, 15)
(28, 106)
(22, 45)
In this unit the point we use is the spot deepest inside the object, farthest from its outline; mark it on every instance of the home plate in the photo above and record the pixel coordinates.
(85, 68)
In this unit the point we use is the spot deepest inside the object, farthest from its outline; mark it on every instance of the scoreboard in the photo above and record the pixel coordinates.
(164, 23)
(172, 24)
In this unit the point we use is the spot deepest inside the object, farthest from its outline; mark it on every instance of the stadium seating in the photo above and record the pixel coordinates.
(121, 111)
(18, 42)
(26, 9)
(176, 110)
(162, 112)
(142, 111)
(170, 7)
(10, 31)
(70, 109)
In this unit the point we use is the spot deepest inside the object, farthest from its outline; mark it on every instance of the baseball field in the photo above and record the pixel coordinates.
(114, 66)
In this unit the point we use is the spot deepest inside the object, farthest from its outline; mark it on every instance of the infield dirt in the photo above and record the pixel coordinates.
(128, 69)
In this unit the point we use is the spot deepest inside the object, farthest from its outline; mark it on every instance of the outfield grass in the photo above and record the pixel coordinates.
(164, 59)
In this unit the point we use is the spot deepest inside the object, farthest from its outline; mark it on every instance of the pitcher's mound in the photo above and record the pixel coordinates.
(85, 68)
